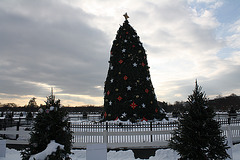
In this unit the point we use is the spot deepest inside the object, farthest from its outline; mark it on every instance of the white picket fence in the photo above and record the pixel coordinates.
(120, 137)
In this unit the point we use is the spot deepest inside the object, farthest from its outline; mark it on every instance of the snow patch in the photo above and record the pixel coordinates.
(52, 147)
(161, 154)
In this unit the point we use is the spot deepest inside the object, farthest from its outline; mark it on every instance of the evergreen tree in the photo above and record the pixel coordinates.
(51, 124)
(198, 136)
(128, 91)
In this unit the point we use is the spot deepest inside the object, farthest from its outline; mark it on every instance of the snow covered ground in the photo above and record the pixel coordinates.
(161, 154)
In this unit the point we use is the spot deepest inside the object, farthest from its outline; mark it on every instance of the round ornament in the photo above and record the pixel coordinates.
(51, 108)
(35, 145)
(47, 110)
(40, 110)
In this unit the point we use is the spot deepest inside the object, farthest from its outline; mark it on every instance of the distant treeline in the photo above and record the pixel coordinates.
(219, 104)
(88, 108)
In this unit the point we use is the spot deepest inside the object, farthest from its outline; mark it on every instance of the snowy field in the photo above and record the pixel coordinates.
(161, 154)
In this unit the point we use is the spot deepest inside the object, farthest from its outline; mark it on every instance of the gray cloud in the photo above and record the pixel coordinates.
(58, 49)
(66, 44)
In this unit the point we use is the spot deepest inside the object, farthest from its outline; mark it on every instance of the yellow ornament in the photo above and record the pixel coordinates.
(116, 89)
(137, 96)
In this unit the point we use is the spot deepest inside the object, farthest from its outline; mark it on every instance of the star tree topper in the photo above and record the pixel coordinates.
(126, 16)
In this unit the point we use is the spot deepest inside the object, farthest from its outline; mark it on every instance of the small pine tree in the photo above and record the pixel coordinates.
(198, 136)
(51, 124)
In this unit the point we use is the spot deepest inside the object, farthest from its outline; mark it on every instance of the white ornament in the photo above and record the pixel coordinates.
(110, 103)
(124, 114)
(35, 145)
(111, 80)
(148, 78)
(40, 110)
(123, 50)
(111, 67)
(143, 105)
(125, 41)
(129, 88)
(134, 64)
(51, 108)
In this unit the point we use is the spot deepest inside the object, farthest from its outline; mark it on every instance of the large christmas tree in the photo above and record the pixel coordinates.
(128, 92)
(198, 136)
(51, 124)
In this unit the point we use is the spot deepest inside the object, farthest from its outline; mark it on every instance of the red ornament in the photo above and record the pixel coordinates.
(133, 46)
(156, 110)
(133, 105)
(116, 118)
(146, 90)
(126, 32)
(119, 98)
(120, 61)
(108, 92)
(144, 119)
(143, 64)
(125, 78)
(105, 114)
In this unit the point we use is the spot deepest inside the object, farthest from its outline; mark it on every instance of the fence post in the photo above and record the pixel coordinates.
(19, 119)
(107, 126)
(4, 127)
(229, 142)
(17, 135)
(105, 136)
(4, 124)
(151, 131)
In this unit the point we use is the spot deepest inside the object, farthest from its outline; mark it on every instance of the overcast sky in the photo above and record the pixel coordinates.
(65, 44)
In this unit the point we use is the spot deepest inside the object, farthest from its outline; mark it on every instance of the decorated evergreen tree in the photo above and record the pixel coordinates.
(128, 91)
(198, 136)
(51, 124)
